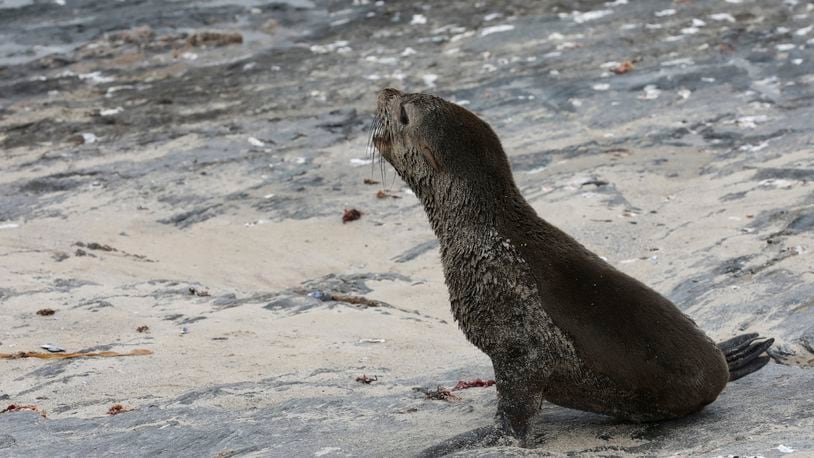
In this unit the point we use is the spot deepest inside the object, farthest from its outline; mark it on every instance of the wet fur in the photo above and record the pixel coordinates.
(558, 322)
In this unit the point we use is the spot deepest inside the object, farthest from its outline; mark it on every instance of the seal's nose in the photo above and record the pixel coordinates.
(386, 94)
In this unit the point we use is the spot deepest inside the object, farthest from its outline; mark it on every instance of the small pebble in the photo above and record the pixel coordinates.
(52, 348)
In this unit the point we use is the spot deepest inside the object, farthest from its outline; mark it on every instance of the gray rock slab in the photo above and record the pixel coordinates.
(226, 167)
(762, 414)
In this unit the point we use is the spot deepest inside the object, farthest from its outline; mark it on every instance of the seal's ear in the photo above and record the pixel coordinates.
(429, 155)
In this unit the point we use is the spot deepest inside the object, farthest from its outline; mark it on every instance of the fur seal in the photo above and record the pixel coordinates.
(558, 322)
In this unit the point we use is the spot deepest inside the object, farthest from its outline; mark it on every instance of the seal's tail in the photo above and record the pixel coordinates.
(743, 354)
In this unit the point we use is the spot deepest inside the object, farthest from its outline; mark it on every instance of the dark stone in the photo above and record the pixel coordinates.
(417, 251)
(293, 304)
(802, 223)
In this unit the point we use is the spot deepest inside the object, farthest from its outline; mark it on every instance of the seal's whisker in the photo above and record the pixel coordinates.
(381, 129)
(378, 129)
(370, 135)
(371, 149)
(381, 166)
(393, 182)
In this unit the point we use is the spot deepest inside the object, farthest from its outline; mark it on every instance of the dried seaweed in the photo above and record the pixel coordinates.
(463, 384)
(351, 214)
(367, 380)
(23, 407)
(101, 354)
(356, 300)
(116, 409)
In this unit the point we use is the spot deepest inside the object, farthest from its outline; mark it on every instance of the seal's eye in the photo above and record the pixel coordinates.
(403, 116)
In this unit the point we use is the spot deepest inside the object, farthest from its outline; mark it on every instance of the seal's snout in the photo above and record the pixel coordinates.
(384, 98)
(380, 136)
(388, 93)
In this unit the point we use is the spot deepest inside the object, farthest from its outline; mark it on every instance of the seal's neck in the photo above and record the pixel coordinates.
(454, 209)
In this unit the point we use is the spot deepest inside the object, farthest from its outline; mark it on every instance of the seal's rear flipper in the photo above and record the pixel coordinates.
(743, 354)
(753, 366)
(486, 436)
(737, 342)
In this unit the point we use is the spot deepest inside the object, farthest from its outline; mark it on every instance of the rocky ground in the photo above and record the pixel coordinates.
(184, 166)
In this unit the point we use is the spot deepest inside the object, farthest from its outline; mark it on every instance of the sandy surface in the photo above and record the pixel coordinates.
(137, 164)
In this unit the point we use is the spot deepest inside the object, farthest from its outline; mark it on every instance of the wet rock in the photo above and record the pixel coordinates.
(711, 124)
(785, 174)
(746, 404)
(214, 39)
(802, 223)
(188, 218)
(417, 251)
(807, 340)
(350, 283)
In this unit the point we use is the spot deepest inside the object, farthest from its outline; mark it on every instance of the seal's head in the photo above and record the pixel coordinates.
(434, 144)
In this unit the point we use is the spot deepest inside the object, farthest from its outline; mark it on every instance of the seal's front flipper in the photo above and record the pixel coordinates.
(743, 354)
(486, 436)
